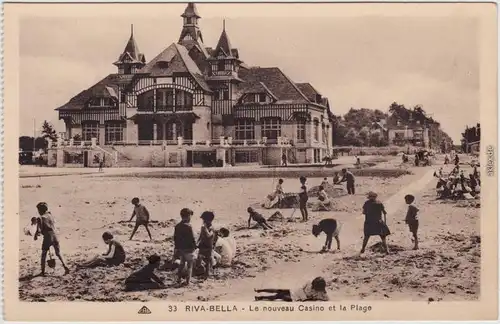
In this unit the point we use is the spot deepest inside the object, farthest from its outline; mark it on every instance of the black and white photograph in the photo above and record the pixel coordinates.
(290, 154)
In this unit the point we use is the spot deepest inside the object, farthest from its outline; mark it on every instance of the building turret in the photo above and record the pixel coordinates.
(131, 60)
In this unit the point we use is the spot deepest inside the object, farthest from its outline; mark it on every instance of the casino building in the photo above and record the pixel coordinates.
(192, 104)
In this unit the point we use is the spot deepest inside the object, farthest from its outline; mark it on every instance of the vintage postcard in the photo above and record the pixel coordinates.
(244, 161)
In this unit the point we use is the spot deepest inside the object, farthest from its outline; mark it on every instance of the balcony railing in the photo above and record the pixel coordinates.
(165, 108)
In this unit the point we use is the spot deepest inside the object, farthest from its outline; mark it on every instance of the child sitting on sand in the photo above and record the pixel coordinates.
(324, 183)
(184, 245)
(145, 278)
(206, 242)
(311, 291)
(142, 217)
(225, 248)
(412, 218)
(257, 218)
(114, 257)
(331, 228)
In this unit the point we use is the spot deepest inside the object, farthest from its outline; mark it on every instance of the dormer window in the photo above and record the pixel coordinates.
(163, 64)
(318, 98)
(95, 102)
(262, 97)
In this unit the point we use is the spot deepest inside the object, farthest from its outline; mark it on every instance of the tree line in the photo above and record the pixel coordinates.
(470, 135)
(29, 143)
(368, 127)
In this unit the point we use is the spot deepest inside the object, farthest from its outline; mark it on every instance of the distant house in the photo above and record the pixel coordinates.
(402, 133)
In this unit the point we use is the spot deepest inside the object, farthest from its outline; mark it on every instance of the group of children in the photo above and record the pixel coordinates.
(202, 253)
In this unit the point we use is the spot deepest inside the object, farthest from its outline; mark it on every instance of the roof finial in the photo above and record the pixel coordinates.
(224, 24)
(131, 29)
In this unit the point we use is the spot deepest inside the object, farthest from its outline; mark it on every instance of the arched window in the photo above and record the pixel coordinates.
(164, 100)
(145, 101)
(271, 128)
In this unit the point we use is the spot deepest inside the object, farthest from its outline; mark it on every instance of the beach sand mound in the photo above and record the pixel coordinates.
(333, 191)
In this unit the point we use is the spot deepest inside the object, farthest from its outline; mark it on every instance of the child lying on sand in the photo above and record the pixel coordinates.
(311, 291)
(145, 278)
(114, 257)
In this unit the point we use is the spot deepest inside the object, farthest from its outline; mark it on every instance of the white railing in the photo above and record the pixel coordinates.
(221, 141)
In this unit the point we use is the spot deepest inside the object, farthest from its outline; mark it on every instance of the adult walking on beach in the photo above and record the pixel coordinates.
(348, 177)
(374, 225)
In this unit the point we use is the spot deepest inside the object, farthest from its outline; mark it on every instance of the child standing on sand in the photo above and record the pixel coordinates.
(206, 241)
(303, 198)
(311, 291)
(141, 215)
(46, 227)
(374, 225)
(145, 278)
(412, 218)
(184, 245)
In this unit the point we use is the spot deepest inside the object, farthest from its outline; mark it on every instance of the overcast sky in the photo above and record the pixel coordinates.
(369, 61)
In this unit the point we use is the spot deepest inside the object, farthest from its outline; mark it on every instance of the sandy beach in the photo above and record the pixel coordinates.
(447, 266)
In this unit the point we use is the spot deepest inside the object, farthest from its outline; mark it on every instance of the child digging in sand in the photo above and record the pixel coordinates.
(145, 278)
(114, 257)
(311, 291)
(257, 218)
(46, 227)
(184, 246)
(412, 218)
(330, 227)
(141, 215)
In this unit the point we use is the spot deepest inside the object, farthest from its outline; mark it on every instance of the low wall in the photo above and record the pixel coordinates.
(220, 173)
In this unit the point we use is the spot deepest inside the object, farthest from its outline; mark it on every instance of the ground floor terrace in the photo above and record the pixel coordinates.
(183, 153)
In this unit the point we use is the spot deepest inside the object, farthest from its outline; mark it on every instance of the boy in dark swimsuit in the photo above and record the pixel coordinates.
(330, 227)
(206, 242)
(412, 218)
(184, 246)
(257, 218)
(46, 227)
(114, 257)
(303, 198)
(145, 278)
(141, 215)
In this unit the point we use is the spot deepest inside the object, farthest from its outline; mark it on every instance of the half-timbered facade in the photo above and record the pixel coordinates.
(200, 101)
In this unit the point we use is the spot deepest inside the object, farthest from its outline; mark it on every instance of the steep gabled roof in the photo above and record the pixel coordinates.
(308, 90)
(106, 88)
(191, 11)
(258, 87)
(131, 53)
(178, 60)
(276, 81)
(223, 45)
